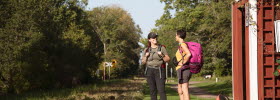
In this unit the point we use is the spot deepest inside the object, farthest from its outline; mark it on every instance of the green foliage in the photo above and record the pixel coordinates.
(45, 44)
(206, 22)
(120, 37)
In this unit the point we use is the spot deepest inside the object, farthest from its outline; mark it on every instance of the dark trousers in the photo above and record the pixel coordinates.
(156, 82)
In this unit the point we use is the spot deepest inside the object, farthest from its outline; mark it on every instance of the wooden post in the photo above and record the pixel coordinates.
(109, 72)
(104, 72)
(171, 72)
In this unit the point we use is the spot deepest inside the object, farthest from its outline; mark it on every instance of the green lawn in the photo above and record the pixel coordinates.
(224, 85)
(224, 78)
(118, 88)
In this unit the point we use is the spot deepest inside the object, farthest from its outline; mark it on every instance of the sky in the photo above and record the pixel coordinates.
(143, 12)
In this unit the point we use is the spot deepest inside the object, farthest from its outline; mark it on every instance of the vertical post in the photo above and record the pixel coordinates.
(109, 72)
(261, 49)
(237, 59)
(253, 51)
(104, 72)
(171, 72)
(166, 70)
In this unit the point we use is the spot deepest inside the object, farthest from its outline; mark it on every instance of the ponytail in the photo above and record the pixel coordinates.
(149, 46)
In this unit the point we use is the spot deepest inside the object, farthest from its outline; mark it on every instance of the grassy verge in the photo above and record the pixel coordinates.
(223, 86)
(224, 78)
(120, 89)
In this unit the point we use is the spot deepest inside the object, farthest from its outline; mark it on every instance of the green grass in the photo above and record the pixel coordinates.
(129, 89)
(224, 78)
(170, 93)
(223, 86)
(118, 88)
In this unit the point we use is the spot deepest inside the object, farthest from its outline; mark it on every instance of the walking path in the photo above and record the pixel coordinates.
(196, 91)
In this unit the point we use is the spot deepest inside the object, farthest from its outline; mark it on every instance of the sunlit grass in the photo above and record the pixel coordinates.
(123, 89)
(222, 86)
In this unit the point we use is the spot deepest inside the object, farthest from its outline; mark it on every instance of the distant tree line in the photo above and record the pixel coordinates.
(47, 44)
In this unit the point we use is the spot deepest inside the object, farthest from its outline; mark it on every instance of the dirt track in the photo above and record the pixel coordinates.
(196, 91)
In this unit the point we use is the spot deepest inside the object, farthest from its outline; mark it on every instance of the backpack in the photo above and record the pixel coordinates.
(159, 49)
(196, 60)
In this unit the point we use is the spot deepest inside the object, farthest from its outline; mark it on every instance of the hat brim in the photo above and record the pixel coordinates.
(152, 36)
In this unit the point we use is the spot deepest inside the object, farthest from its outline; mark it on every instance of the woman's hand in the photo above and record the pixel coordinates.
(180, 64)
(160, 54)
(147, 54)
(144, 59)
(165, 58)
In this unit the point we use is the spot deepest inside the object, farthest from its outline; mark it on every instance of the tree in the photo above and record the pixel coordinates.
(45, 44)
(119, 36)
(206, 22)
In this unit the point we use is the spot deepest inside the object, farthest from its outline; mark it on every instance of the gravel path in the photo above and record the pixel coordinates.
(196, 91)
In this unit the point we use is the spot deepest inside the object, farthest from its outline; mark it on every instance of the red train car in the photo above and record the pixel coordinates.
(254, 49)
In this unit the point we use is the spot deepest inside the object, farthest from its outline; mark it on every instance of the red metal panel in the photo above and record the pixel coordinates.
(266, 51)
(237, 53)
(277, 79)
(269, 85)
(273, 47)
(277, 92)
(268, 70)
(262, 60)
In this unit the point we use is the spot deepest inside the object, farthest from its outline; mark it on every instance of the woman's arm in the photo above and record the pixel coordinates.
(144, 60)
(144, 57)
(164, 54)
(188, 54)
(166, 58)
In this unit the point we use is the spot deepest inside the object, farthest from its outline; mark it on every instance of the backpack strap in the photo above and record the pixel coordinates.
(159, 47)
(181, 52)
(148, 50)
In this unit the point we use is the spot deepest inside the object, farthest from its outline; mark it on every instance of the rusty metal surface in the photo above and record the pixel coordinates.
(260, 51)
(269, 85)
(266, 51)
(237, 53)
